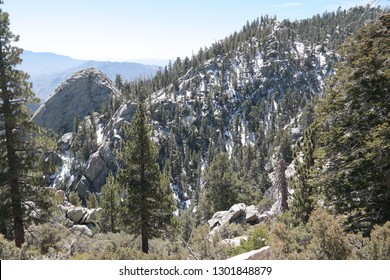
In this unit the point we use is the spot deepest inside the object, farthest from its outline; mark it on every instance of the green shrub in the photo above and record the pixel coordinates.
(8, 250)
(229, 231)
(378, 246)
(288, 243)
(206, 246)
(329, 241)
(257, 239)
(47, 236)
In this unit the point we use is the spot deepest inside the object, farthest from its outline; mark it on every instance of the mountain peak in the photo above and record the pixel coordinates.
(86, 91)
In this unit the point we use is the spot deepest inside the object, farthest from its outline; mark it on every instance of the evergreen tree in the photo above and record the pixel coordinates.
(109, 201)
(223, 188)
(304, 191)
(22, 143)
(74, 198)
(92, 201)
(85, 138)
(118, 82)
(353, 125)
(148, 198)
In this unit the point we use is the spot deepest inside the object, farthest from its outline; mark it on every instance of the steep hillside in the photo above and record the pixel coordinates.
(248, 95)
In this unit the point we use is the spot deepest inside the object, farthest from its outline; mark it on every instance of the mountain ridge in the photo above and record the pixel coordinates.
(47, 70)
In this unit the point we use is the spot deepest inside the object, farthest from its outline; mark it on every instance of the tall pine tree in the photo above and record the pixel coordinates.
(305, 194)
(148, 198)
(353, 124)
(21, 143)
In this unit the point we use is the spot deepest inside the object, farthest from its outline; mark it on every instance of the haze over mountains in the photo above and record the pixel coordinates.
(48, 70)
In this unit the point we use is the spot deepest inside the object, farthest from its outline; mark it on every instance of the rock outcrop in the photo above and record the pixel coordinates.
(79, 215)
(239, 214)
(79, 220)
(87, 91)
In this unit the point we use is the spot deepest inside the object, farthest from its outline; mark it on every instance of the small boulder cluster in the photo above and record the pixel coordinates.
(238, 214)
(79, 220)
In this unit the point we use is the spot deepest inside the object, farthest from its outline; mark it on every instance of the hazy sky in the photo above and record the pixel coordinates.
(125, 30)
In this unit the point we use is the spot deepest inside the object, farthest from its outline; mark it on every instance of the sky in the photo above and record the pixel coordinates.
(142, 30)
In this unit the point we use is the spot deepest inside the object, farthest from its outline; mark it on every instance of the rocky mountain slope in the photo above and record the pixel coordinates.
(87, 91)
(248, 95)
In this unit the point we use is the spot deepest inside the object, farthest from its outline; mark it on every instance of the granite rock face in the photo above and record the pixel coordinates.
(87, 91)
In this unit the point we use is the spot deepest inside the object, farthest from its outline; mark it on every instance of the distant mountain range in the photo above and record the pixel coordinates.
(48, 70)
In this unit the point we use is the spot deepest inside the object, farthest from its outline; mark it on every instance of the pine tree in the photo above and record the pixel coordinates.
(92, 201)
(22, 143)
(353, 125)
(74, 199)
(147, 194)
(223, 188)
(118, 82)
(109, 201)
(304, 191)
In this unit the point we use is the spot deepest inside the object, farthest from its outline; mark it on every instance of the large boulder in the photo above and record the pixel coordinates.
(83, 187)
(251, 215)
(91, 215)
(96, 171)
(75, 214)
(238, 213)
(81, 230)
(80, 215)
(216, 220)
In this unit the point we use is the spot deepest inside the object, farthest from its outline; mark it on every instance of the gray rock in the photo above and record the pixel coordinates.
(234, 242)
(94, 169)
(266, 215)
(91, 215)
(234, 213)
(83, 187)
(79, 215)
(69, 223)
(75, 214)
(85, 92)
(81, 230)
(216, 219)
(65, 141)
(252, 215)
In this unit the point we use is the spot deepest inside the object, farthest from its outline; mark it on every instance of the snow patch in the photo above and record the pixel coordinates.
(99, 134)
